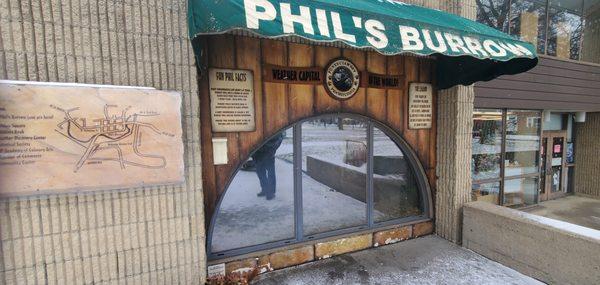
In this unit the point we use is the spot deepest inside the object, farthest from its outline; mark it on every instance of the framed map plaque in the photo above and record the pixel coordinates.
(57, 137)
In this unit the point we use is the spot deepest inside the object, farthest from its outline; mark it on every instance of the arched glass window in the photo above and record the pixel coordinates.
(321, 177)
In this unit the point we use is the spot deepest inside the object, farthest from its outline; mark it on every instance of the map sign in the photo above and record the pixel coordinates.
(78, 137)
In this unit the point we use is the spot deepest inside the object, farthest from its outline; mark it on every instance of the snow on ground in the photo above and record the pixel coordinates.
(427, 260)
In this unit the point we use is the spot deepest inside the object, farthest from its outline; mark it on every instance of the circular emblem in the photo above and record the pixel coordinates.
(342, 79)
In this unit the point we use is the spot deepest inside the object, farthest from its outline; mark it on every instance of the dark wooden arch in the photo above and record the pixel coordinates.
(279, 105)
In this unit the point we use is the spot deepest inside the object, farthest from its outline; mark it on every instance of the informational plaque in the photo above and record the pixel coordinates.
(56, 138)
(420, 106)
(232, 100)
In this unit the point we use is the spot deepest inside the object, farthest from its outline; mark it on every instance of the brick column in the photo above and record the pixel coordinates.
(587, 161)
(455, 125)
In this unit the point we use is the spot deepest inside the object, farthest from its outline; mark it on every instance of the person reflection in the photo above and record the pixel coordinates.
(264, 161)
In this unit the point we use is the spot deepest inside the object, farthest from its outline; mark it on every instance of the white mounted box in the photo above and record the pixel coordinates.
(220, 151)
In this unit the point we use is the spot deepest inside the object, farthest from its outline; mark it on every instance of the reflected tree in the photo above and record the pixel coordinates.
(493, 13)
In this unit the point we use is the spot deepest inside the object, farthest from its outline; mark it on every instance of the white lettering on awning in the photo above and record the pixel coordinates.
(331, 24)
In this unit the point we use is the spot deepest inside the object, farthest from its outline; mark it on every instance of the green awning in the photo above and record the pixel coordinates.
(466, 51)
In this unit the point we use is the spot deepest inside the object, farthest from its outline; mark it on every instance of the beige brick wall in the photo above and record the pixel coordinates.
(587, 161)
(455, 127)
(152, 235)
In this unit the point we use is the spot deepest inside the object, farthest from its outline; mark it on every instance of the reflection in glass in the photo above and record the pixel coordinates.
(565, 29)
(591, 32)
(487, 192)
(334, 167)
(395, 189)
(258, 206)
(528, 21)
(494, 13)
(487, 144)
(522, 142)
(520, 192)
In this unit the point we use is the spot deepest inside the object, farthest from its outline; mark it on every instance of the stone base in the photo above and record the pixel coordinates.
(266, 262)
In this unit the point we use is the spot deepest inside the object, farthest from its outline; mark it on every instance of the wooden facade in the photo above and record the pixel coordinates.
(554, 84)
(279, 105)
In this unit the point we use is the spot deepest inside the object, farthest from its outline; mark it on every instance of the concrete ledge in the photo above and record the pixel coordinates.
(552, 251)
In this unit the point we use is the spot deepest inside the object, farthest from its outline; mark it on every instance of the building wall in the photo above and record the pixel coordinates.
(587, 161)
(554, 84)
(148, 235)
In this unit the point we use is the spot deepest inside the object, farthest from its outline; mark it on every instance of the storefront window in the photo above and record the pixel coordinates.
(334, 179)
(487, 144)
(506, 150)
(528, 21)
(565, 29)
(591, 31)
(520, 192)
(494, 13)
(522, 143)
(321, 177)
(258, 206)
(395, 189)
(487, 192)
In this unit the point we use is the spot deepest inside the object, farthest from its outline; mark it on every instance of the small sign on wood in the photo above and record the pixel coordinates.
(420, 106)
(293, 75)
(232, 100)
(382, 81)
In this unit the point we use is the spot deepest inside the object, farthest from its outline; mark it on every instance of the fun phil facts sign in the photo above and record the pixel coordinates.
(232, 100)
(73, 138)
(420, 106)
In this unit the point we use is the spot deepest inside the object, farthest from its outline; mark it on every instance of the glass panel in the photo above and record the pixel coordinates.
(494, 13)
(557, 162)
(591, 31)
(570, 127)
(555, 123)
(487, 192)
(334, 167)
(522, 142)
(520, 192)
(258, 206)
(543, 168)
(487, 144)
(396, 193)
(565, 30)
(556, 179)
(528, 20)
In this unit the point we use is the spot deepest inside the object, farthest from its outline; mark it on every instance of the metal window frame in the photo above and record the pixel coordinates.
(426, 199)
(502, 176)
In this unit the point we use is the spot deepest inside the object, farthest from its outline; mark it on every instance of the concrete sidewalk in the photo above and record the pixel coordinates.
(428, 260)
(572, 209)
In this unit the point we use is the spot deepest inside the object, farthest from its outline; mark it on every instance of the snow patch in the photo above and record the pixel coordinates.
(392, 240)
(266, 267)
(576, 229)
(243, 270)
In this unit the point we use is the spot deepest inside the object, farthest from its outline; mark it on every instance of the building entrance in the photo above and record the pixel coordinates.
(553, 165)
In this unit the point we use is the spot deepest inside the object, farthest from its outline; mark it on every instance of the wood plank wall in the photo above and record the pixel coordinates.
(279, 105)
(553, 84)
